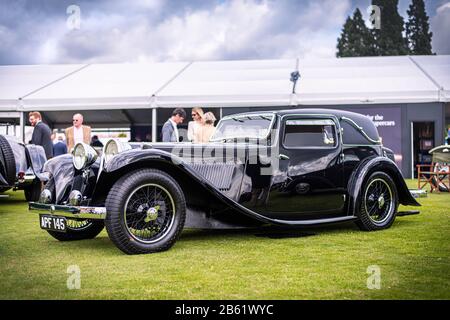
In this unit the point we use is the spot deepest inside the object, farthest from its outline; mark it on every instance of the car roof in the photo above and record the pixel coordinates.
(357, 117)
(360, 120)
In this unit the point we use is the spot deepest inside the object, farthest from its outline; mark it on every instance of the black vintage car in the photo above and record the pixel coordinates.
(287, 168)
(21, 167)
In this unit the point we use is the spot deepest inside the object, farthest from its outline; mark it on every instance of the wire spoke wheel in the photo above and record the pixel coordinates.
(149, 213)
(378, 200)
(146, 211)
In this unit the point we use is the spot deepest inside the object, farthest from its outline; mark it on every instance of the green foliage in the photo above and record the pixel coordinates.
(418, 29)
(355, 39)
(389, 40)
(413, 256)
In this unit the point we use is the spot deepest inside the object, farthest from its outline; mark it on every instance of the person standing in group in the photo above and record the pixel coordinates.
(170, 129)
(95, 142)
(207, 129)
(41, 133)
(195, 126)
(59, 146)
(78, 132)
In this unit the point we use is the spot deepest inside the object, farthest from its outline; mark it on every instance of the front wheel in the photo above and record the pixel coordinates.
(146, 211)
(378, 203)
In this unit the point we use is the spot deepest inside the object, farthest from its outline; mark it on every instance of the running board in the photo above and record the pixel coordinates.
(407, 213)
(313, 222)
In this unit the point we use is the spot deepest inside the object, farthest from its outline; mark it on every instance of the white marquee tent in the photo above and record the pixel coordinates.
(245, 83)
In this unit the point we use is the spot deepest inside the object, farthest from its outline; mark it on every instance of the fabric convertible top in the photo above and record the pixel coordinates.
(225, 83)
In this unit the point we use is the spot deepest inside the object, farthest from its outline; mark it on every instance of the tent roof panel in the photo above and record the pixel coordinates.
(18, 81)
(215, 78)
(99, 81)
(377, 79)
(438, 68)
(225, 83)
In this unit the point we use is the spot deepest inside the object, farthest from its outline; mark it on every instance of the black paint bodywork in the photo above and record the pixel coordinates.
(309, 185)
(29, 161)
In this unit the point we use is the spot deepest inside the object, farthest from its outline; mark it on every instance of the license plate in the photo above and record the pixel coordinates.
(53, 223)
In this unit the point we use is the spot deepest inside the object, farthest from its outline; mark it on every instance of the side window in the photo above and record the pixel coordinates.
(303, 133)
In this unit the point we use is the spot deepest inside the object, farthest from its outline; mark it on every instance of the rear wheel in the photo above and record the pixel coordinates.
(146, 211)
(378, 203)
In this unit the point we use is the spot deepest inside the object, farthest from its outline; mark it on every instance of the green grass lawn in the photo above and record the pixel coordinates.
(331, 263)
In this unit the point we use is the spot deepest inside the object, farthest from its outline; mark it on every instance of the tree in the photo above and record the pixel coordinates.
(418, 29)
(355, 39)
(389, 40)
(343, 45)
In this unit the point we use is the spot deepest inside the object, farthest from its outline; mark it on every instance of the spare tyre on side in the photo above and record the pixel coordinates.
(7, 164)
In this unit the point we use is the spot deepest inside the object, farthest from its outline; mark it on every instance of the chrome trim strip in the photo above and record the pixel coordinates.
(361, 130)
(82, 212)
(315, 222)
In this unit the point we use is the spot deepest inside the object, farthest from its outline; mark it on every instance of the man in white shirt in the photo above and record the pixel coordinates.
(78, 132)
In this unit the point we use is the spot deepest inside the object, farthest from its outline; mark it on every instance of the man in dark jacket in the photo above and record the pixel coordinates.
(170, 128)
(41, 133)
(59, 147)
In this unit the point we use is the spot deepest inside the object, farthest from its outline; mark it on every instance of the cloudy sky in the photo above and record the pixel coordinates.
(53, 31)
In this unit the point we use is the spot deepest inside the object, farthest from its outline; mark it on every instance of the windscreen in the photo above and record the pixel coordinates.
(243, 127)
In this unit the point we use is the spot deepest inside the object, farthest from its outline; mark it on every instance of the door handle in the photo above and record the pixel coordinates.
(283, 157)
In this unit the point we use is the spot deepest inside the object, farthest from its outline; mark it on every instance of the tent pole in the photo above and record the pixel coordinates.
(22, 126)
(154, 124)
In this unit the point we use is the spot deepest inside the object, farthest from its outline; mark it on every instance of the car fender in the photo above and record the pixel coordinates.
(61, 170)
(37, 158)
(362, 172)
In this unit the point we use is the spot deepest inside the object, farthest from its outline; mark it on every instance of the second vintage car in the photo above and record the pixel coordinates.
(21, 167)
(289, 168)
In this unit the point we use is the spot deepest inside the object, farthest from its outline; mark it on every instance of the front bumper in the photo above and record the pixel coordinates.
(71, 212)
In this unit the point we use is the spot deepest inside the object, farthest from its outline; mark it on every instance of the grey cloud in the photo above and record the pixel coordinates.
(440, 25)
(159, 30)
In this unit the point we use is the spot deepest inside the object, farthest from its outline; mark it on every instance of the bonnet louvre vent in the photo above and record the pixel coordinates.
(219, 174)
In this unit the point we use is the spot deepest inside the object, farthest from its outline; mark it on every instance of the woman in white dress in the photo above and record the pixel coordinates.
(195, 126)
(208, 127)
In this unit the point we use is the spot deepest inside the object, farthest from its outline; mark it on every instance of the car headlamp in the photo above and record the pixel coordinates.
(114, 147)
(83, 156)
